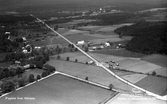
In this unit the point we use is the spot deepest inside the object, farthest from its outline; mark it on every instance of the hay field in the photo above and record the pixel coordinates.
(90, 28)
(156, 59)
(107, 29)
(99, 41)
(134, 78)
(59, 89)
(94, 73)
(99, 35)
(131, 99)
(119, 52)
(154, 84)
(137, 65)
(72, 32)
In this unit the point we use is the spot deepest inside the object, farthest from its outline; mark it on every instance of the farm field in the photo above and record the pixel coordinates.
(59, 89)
(99, 41)
(134, 78)
(156, 59)
(58, 40)
(107, 29)
(60, 30)
(94, 73)
(137, 65)
(119, 52)
(154, 84)
(99, 35)
(83, 58)
(90, 28)
(131, 99)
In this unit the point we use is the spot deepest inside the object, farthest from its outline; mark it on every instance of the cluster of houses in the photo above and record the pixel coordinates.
(93, 47)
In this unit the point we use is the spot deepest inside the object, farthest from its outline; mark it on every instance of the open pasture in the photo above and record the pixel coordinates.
(59, 89)
(94, 73)
(154, 84)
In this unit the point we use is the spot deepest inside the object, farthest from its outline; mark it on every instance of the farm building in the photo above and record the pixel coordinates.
(107, 44)
(82, 42)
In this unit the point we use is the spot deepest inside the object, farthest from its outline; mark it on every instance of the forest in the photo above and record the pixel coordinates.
(149, 37)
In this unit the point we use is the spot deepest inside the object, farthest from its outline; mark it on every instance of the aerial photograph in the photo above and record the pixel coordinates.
(83, 52)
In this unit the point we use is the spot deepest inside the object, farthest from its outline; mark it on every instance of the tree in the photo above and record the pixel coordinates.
(7, 87)
(31, 78)
(111, 86)
(76, 49)
(86, 78)
(86, 49)
(154, 73)
(49, 68)
(58, 57)
(44, 74)
(38, 77)
(39, 64)
(67, 59)
(76, 60)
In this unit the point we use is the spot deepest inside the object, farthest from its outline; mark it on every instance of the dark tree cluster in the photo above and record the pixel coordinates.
(7, 87)
(12, 19)
(149, 37)
(49, 68)
(5, 72)
(7, 45)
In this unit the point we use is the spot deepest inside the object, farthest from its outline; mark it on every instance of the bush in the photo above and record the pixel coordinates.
(76, 60)
(38, 77)
(58, 57)
(49, 68)
(86, 78)
(67, 59)
(76, 49)
(154, 73)
(111, 86)
(44, 74)
(86, 63)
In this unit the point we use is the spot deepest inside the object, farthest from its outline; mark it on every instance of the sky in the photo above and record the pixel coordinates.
(24, 3)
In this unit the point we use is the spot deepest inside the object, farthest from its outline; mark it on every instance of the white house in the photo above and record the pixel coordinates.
(82, 42)
(107, 44)
(24, 38)
(7, 33)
